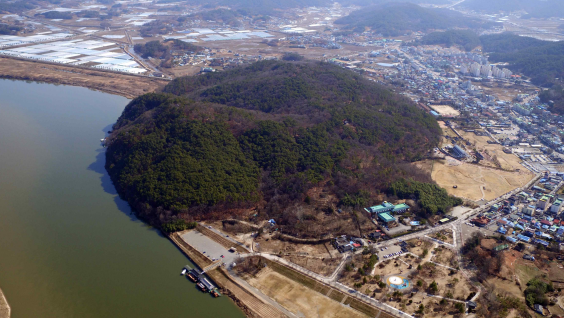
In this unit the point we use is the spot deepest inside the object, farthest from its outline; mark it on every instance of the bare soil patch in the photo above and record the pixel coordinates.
(397, 265)
(445, 256)
(283, 248)
(444, 236)
(322, 266)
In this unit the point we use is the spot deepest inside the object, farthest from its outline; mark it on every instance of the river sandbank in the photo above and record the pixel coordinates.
(4, 307)
(129, 86)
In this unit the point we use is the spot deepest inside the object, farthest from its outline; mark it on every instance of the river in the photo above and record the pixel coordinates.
(69, 247)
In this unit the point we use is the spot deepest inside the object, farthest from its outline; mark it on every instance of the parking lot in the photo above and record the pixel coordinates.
(389, 250)
(208, 246)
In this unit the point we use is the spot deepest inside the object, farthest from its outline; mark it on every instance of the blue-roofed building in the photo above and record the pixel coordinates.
(524, 238)
(400, 208)
(546, 236)
(519, 227)
(502, 230)
(511, 239)
(387, 207)
(386, 217)
(384, 207)
(541, 242)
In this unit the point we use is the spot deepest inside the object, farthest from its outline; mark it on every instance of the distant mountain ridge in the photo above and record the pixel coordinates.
(534, 8)
(393, 19)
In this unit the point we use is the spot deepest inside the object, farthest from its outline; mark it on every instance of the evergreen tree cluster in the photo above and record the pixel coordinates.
(432, 198)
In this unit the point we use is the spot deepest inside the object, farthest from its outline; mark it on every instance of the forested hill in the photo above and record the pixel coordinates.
(467, 39)
(262, 136)
(543, 61)
(392, 19)
(555, 97)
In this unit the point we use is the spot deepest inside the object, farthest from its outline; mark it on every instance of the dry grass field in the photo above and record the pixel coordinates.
(479, 181)
(299, 299)
(445, 110)
(475, 182)
(507, 161)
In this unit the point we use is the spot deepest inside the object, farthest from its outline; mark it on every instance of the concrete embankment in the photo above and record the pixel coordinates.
(251, 305)
(4, 307)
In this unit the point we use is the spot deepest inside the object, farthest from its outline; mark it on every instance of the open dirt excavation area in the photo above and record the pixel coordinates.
(299, 299)
(476, 182)
(121, 84)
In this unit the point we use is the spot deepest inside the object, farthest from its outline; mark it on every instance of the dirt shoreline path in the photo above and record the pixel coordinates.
(129, 86)
(4, 306)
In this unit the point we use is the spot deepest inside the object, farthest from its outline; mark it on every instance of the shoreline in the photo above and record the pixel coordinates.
(5, 309)
(247, 302)
(129, 86)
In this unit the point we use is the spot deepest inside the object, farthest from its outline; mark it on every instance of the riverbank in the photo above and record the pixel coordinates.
(245, 299)
(128, 86)
(4, 306)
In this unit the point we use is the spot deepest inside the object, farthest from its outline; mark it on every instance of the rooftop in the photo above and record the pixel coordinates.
(386, 217)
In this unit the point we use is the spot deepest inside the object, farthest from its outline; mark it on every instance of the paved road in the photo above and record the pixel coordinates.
(461, 220)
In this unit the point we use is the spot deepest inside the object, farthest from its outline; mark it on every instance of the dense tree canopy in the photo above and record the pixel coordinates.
(56, 15)
(555, 97)
(263, 135)
(6, 29)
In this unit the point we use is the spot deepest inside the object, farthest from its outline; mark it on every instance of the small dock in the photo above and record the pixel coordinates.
(203, 282)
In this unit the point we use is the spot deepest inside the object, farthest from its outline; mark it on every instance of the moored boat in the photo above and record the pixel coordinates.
(215, 293)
